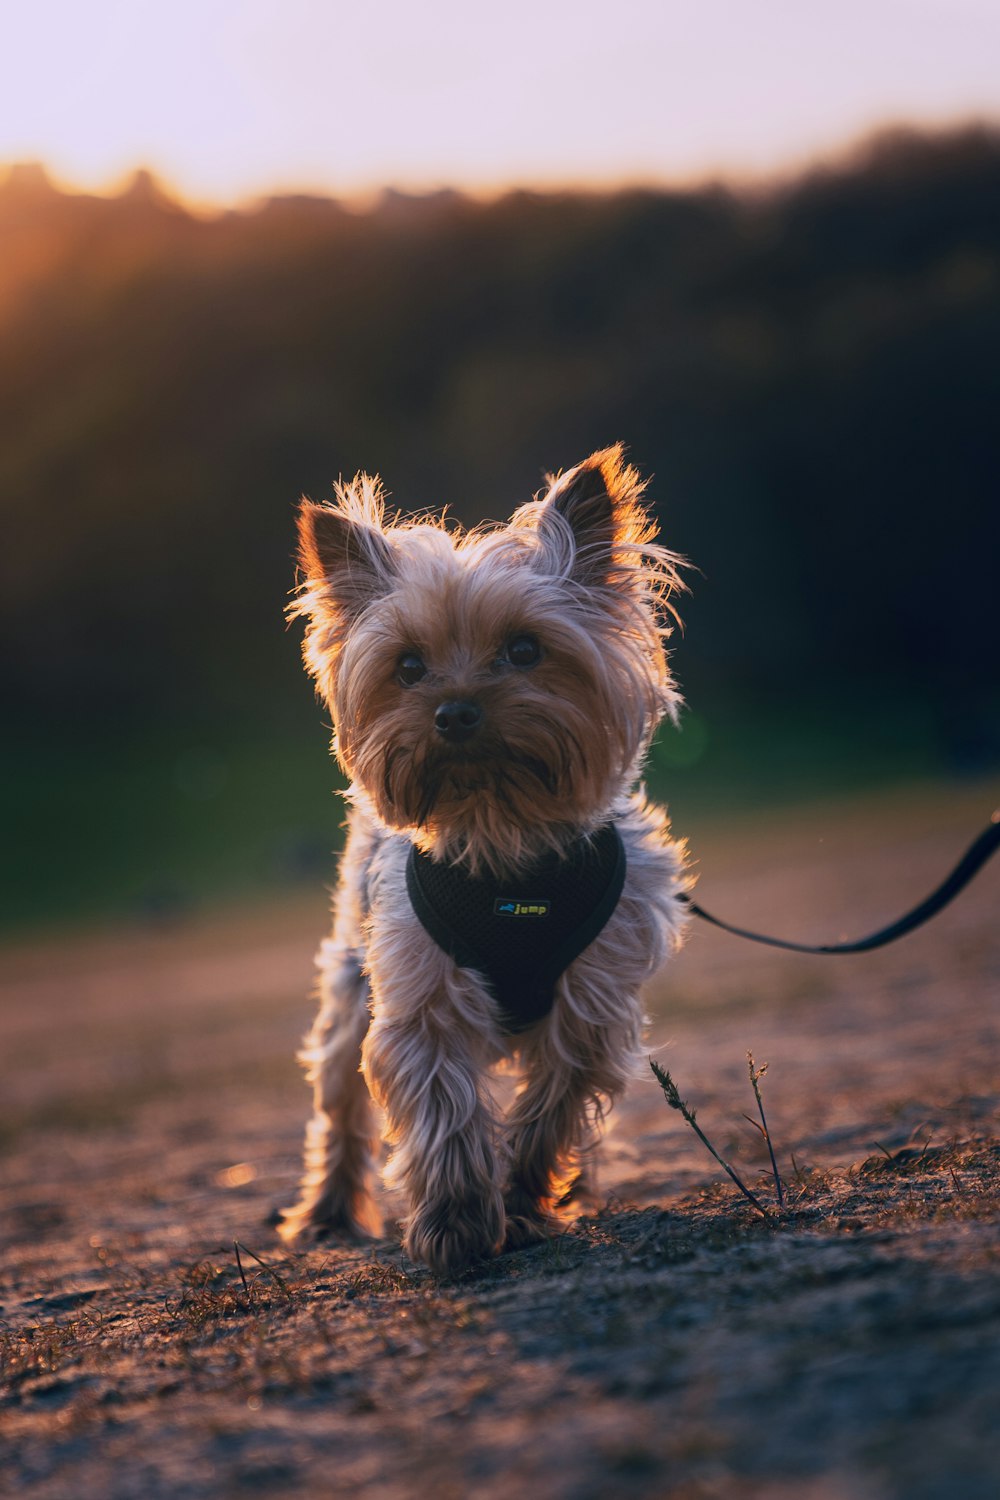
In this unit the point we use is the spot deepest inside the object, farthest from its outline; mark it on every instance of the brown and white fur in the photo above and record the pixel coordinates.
(405, 618)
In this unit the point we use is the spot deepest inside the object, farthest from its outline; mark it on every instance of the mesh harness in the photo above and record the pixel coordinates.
(520, 934)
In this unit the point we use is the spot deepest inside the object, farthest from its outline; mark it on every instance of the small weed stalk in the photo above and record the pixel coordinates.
(268, 1270)
(756, 1074)
(675, 1101)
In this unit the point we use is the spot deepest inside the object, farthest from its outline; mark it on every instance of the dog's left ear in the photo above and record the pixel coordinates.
(599, 501)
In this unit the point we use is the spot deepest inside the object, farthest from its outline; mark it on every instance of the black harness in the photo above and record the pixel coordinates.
(521, 934)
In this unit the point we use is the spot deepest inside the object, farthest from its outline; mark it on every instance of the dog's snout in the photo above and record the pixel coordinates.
(457, 721)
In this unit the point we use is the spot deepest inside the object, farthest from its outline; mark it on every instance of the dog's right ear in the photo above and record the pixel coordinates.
(343, 556)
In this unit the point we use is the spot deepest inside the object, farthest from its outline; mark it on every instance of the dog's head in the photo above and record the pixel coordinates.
(492, 691)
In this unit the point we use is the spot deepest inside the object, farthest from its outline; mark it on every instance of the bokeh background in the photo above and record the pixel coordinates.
(246, 249)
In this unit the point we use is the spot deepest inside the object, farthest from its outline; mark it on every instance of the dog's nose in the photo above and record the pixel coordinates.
(457, 721)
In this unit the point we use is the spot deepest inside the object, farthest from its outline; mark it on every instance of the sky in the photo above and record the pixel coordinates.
(226, 100)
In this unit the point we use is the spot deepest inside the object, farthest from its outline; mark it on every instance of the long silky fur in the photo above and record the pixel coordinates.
(399, 1020)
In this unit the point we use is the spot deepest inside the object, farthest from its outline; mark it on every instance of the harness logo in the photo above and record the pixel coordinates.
(507, 906)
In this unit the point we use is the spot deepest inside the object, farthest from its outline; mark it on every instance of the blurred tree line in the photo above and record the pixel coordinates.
(811, 373)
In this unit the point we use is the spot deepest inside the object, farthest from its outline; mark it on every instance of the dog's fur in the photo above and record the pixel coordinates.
(557, 752)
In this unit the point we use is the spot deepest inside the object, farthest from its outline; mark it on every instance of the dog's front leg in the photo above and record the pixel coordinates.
(573, 1072)
(547, 1129)
(424, 1066)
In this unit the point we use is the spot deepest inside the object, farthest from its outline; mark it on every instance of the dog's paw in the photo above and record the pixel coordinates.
(451, 1236)
(531, 1220)
(350, 1223)
(531, 1228)
(581, 1194)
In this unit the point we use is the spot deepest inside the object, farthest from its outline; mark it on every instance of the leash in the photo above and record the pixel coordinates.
(971, 862)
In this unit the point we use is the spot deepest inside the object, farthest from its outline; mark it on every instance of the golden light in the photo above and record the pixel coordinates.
(237, 1175)
(229, 98)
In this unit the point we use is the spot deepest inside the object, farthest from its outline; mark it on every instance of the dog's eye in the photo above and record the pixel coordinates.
(522, 650)
(410, 669)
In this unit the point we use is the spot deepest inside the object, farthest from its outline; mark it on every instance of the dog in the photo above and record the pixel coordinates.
(504, 891)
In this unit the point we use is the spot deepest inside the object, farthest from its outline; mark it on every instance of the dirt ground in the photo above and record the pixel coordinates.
(672, 1343)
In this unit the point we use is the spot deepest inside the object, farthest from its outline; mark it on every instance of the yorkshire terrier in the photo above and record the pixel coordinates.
(504, 892)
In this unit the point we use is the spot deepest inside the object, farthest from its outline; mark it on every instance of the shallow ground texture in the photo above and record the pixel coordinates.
(674, 1343)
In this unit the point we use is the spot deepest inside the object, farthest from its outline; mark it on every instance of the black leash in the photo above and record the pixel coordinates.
(972, 860)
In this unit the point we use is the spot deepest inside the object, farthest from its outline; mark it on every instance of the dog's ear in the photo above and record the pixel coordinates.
(343, 553)
(599, 500)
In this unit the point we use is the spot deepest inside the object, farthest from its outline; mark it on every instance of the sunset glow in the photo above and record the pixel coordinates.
(226, 99)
